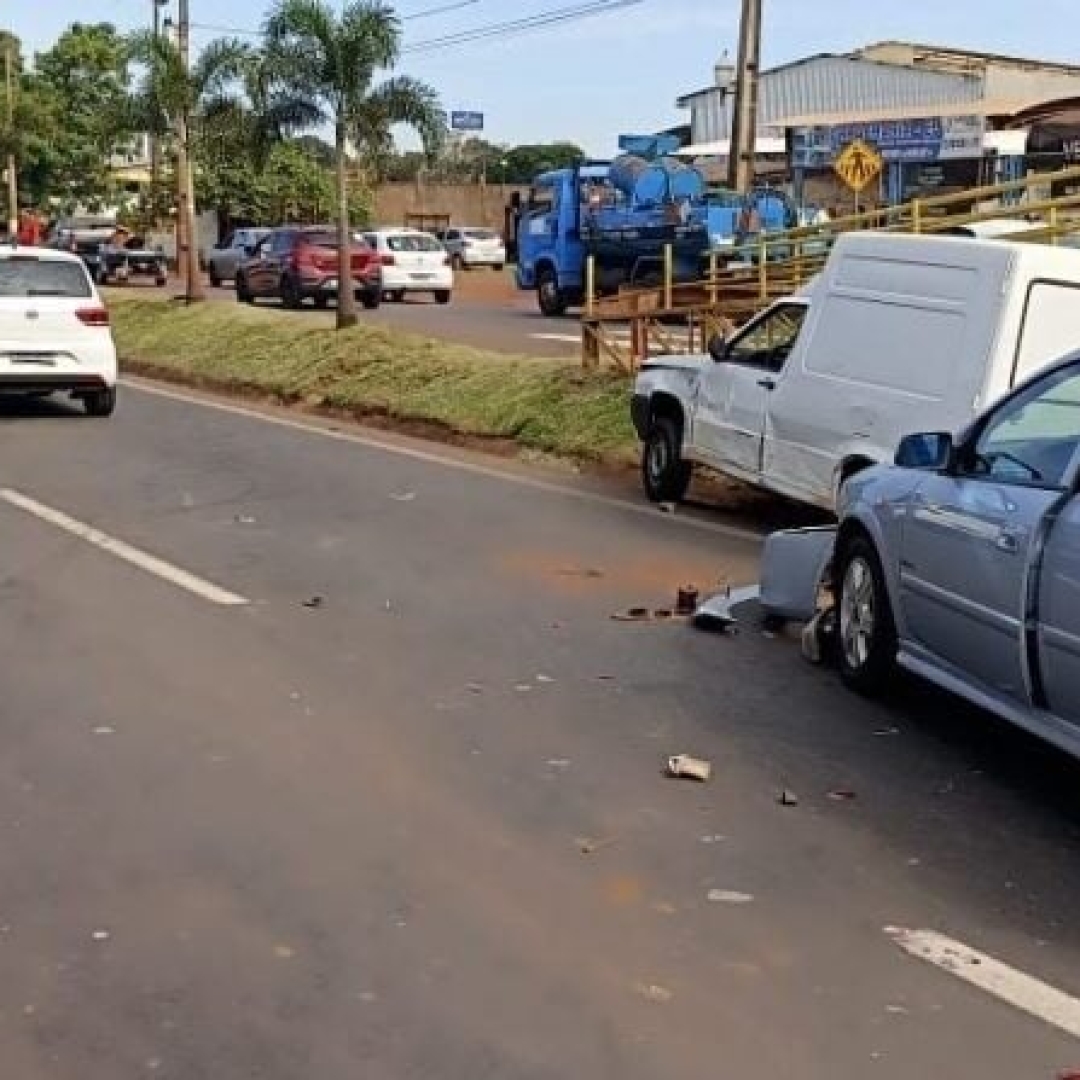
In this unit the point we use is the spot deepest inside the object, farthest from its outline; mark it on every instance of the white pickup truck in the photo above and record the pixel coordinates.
(898, 334)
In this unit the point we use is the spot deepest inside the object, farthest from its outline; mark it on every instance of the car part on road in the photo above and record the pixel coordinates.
(728, 896)
(717, 613)
(314, 602)
(787, 798)
(686, 767)
(686, 600)
(794, 566)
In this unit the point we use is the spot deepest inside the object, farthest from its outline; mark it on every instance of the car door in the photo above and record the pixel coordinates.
(971, 537)
(256, 268)
(730, 419)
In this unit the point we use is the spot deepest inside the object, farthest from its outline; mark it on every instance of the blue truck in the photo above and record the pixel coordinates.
(625, 214)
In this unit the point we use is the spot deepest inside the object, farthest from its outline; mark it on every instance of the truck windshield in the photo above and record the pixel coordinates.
(541, 200)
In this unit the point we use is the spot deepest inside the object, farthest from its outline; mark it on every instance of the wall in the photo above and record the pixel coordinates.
(466, 204)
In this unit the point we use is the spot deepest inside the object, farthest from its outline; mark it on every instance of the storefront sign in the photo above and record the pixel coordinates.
(948, 138)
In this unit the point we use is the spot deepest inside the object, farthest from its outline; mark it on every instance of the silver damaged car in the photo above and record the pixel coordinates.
(961, 562)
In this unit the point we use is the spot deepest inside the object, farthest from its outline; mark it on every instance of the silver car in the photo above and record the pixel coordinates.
(223, 261)
(962, 561)
(472, 247)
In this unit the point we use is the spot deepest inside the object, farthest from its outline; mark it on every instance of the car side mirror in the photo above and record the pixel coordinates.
(934, 452)
(719, 348)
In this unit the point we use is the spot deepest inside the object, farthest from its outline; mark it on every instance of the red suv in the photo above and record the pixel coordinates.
(301, 262)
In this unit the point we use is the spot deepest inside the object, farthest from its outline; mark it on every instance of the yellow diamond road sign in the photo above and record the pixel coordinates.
(858, 164)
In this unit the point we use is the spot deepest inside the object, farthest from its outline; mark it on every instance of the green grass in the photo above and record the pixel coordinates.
(540, 404)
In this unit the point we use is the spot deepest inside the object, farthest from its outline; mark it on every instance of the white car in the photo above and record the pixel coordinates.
(469, 247)
(412, 261)
(54, 329)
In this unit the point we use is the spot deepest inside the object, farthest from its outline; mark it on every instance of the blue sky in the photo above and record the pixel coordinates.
(589, 81)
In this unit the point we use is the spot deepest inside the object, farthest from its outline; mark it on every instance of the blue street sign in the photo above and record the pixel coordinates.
(467, 121)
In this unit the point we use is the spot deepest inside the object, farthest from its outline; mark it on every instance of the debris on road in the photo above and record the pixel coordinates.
(403, 496)
(686, 600)
(101, 935)
(666, 507)
(544, 679)
(842, 795)
(882, 733)
(794, 567)
(787, 798)
(713, 838)
(716, 613)
(284, 952)
(558, 763)
(589, 846)
(728, 896)
(474, 688)
(523, 688)
(313, 602)
(605, 678)
(685, 767)
(654, 992)
(104, 729)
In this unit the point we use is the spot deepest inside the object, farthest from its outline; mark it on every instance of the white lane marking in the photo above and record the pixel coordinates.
(143, 560)
(429, 457)
(1023, 992)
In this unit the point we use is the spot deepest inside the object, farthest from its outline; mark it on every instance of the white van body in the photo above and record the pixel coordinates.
(898, 334)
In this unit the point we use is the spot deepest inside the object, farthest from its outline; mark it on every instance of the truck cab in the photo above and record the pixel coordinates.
(550, 248)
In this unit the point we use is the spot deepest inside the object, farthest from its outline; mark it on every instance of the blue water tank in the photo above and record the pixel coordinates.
(625, 172)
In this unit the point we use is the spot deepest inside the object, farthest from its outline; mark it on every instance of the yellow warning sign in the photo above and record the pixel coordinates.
(858, 164)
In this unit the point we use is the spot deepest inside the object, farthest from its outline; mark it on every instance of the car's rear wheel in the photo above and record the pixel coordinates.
(322, 302)
(243, 292)
(215, 279)
(371, 299)
(866, 632)
(100, 402)
(664, 473)
(442, 296)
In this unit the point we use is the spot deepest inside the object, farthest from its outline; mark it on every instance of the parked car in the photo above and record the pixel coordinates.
(54, 329)
(126, 258)
(84, 236)
(897, 333)
(412, 261)
(470, 247)
(224, 260)
(300, 263)
(962, 561)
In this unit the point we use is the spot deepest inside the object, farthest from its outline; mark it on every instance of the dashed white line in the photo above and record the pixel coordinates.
(151, 564)
(1022, 991)
(431, 457)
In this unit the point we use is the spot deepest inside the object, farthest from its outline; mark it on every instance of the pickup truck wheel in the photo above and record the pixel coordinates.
(664, 473)
(243, 293)
(291, 297)
(549, 296)
(215, 278)
(371, 299)
(866, 639)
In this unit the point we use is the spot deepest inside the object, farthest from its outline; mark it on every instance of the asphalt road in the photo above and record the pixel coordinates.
(479, 315)
(421, 828)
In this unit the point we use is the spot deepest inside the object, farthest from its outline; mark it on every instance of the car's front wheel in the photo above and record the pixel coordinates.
(866, 632)
(442, 296)
(664, 473)
(243, 290)
(100, 402)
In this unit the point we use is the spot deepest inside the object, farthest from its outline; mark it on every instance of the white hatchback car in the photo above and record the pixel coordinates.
(54, 329)
(412, 261)
(471, 247)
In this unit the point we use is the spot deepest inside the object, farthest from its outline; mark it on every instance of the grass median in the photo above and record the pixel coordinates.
(378, 371)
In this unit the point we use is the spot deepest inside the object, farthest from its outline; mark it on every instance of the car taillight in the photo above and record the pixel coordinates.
(93, 316)
(388, 260)
(303, 256)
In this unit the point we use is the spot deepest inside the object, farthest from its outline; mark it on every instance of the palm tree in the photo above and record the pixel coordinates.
(174, 96)
(330, 62)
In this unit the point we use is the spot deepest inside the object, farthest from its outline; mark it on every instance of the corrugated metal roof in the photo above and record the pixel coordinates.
(903, 112)
(844, 86)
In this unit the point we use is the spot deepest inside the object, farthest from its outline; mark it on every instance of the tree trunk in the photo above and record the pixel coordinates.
(346, 303)
(194, 288)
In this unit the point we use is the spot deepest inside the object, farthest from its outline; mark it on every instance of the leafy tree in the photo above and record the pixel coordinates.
(524, 162)
(83, 79)
(330, 62)
(171, 96)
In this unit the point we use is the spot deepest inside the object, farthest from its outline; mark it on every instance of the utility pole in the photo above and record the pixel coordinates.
(189, 241)
(12, 173)
(744, 122)
(155, 133)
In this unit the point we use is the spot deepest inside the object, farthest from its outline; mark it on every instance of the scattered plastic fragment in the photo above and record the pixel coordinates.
(104, 730)
(544, 679)
(403, 496)
(558, 763)
(683, 766)
(589, 846)
(654, 992)
(314, 602)
(787, 798)
(101, 935)
(728, 896)
(245, 519)
(842, 795)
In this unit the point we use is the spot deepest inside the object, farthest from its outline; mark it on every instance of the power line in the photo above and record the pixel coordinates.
(516, 26)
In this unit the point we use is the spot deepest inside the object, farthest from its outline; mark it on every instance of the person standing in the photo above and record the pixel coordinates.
(29, 234)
